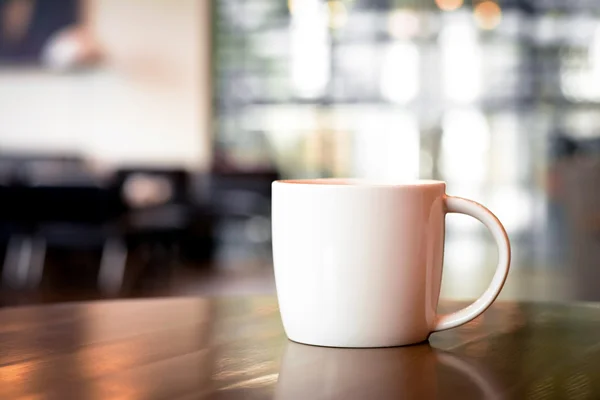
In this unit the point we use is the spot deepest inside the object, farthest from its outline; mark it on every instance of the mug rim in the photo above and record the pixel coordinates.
(358, 182)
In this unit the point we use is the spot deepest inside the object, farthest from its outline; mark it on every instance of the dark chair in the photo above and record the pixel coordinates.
(82, 218)
(16, 220)
(18, 228)
(59, 204)
(16, 232)
(159, 213)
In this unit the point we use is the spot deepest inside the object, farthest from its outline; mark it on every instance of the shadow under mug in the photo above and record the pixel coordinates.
(414, 372)
(359, 263)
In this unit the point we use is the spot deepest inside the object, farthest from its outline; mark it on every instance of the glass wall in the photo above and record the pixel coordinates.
(474, 93)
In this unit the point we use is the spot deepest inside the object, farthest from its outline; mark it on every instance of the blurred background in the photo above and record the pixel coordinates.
(139, 139)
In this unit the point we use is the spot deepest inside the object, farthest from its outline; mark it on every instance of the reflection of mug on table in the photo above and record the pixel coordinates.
(309, 372)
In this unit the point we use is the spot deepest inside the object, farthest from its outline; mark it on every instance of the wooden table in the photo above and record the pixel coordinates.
(235, 348)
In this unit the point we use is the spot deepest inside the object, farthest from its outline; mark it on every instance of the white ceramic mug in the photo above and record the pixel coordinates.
(359, 263)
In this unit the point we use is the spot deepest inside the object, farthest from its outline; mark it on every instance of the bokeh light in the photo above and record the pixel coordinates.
(399, 82)
(488, 15)
(403, 24)
(449, 5)
(338, 14)
(461, 62)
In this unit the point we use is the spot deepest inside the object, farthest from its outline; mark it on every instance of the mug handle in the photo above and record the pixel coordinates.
(468, 207)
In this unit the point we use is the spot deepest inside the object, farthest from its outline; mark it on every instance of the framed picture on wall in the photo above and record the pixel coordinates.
(27, 26)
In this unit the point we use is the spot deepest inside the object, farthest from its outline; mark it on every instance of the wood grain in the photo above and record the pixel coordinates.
(230, 348)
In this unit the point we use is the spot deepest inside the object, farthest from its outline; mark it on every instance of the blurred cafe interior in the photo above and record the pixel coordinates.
(139, 139)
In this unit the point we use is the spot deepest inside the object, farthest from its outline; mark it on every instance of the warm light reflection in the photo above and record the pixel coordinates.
(487, 14)
(461, 62)
(338, 15)
(449, 5)
(253, 383)
(403, 24)
(399, 79)
(17, 375)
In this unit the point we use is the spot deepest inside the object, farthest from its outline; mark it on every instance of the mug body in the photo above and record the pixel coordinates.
(358, 264)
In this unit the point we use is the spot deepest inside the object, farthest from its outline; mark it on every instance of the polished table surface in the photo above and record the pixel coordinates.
(235, 348)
